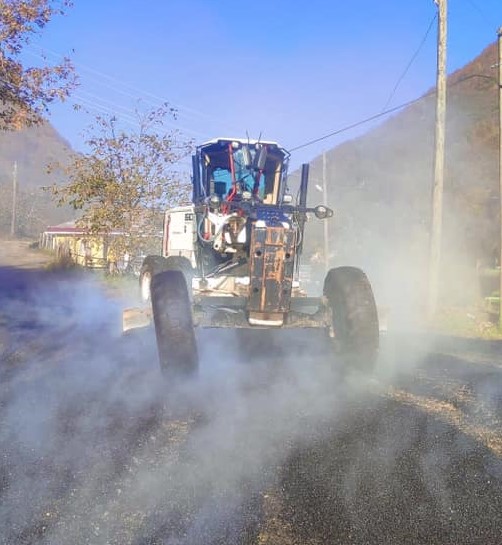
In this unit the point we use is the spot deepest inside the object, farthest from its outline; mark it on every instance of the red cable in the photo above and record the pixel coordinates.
(231, 196)
(232, 171)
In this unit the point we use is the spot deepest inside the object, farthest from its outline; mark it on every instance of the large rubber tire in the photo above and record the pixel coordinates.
(354, 315)
(172, 316)
(180, 263)
(152, 265)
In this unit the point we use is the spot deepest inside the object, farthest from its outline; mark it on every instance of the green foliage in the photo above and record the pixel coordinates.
(26, 91)
(125, 182)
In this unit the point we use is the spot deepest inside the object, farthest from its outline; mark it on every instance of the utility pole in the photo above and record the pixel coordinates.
(500, 169)
(437, 189)
(14, 200)
(325, 202)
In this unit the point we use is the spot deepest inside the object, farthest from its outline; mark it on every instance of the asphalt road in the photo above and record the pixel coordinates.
(271, 445)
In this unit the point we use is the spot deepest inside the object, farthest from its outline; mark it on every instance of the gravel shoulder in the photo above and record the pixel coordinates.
(21, 255)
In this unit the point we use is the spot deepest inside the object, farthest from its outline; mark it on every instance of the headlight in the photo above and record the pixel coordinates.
(214, 201)
(322, 212)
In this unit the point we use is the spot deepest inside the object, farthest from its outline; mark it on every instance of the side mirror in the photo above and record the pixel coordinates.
(322, 212)
(260, 158)
(246, 157)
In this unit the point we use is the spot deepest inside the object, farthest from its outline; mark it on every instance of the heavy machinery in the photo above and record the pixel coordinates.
(232, 259)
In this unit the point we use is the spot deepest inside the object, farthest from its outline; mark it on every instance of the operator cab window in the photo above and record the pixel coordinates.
(228, 176)
(221, 182)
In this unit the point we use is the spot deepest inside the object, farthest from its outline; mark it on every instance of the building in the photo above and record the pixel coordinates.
(69, 241)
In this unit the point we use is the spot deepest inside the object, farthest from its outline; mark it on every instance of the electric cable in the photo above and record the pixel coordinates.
(131, 91)
(410, 63)
(357, 124)
(481, 12)
(386, 112)
(152, 99)
(118, 83)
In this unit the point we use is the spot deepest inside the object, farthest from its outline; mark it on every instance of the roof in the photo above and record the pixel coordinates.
(243, 141)
(240, 140)
(70, 228)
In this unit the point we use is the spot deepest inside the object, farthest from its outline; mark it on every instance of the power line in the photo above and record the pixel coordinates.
(92, 105)
(99, 104)
(410, 62)
(386, 112)
(101, 79)
(110, 107)
(357, 124)
(153, 98)
(481, 12)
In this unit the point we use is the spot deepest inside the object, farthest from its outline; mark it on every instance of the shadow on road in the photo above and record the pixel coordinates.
(394, 475)
(420, 462)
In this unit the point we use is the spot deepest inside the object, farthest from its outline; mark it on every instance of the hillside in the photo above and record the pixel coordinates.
(32, 149)
(380, 186)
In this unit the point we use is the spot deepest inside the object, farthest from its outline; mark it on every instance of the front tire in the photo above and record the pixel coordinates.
(180, 263)
(152, 265)
(174, 329)
(354, 316)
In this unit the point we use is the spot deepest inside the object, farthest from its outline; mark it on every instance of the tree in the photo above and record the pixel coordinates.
(26, 92)
(126, 181)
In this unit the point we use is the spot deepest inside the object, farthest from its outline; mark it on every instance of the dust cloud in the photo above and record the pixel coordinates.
(98, 449)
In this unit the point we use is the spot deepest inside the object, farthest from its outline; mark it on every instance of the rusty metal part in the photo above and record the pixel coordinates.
(224, 311)
(271, 269)
(218, 312)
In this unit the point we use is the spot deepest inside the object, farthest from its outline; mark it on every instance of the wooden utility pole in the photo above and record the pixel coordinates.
(500, 169)
(437, 189)
(14, 200)
(325, 202)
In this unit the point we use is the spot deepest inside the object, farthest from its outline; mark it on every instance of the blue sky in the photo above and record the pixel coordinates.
(290, 70)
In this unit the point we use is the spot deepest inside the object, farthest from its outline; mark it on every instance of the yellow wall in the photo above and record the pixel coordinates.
(88, 253)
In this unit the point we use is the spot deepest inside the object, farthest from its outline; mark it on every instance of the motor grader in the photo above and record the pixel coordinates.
(232, 259)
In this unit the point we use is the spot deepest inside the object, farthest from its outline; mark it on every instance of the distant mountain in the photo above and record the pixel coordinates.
(32, 150)
(380, 186)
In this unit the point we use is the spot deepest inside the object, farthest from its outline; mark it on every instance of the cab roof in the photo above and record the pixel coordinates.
(221, 141)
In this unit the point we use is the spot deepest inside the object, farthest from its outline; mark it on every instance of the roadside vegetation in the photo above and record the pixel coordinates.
(122, 185)
(28, 91)
(468, 322)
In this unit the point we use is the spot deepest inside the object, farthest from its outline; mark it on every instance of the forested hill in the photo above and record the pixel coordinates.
(380, 186)
(32, 150)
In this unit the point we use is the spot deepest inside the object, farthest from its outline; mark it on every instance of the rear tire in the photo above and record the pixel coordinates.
(354, 316)
(174, 329)
(180, 263)
(152, 265)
